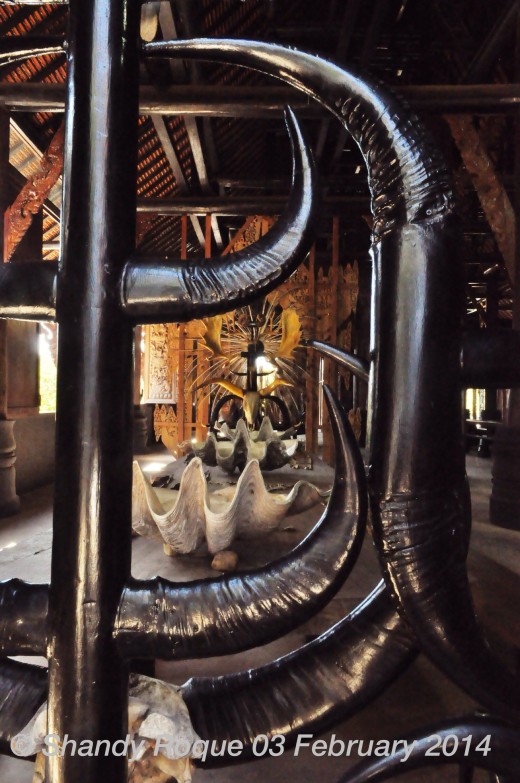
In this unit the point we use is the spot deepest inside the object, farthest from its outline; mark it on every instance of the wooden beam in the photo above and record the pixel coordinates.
(379, 12)
(34, 2)
(260, 205)
(181, 356)
(171, 155)
(30, 200)
(31, 155)
(4, 201)
(169, 30)
(263, 102)
(493, 46)
(347, 28)
(491, 193)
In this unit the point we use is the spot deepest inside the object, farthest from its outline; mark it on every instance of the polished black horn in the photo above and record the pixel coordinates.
(159, 290)
(416, 454)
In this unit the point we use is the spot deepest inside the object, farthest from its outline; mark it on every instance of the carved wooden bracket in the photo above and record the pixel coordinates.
(19, 215)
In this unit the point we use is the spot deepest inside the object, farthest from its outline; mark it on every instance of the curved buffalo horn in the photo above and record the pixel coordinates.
(159, 619)
(407, 179)
(308, 690)
(498, 752)
(23, 618)
(162, 291)
(28, 291)
(416, 454)
(349, 361)
(23, 689)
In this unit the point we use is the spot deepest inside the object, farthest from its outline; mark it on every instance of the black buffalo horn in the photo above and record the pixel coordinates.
(209, 617)
(357, 366)
(160, 290)
(458, 742)
(28, 291)
(416, 452)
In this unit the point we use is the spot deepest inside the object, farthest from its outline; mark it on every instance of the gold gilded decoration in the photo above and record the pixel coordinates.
(294, 294)
(254, 228)
(165, 426)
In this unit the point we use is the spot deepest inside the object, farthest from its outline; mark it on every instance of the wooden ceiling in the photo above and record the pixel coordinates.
(450, 58)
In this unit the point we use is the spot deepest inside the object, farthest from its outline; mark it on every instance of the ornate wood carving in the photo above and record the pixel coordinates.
(294, 294)
(173, 350)
(30, 200)
(161, 377)
(165, 426)
(253, 228)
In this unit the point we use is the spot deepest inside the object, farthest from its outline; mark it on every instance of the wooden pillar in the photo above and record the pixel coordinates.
(312, 389)
(331, 373)
(181, 353)
(9, 500)
(505, 496)
(490, 411)
(139, 416)
(202, 361)
(23, 354)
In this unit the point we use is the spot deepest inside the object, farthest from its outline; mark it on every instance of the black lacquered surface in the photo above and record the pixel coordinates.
(502, 757)
(416, 456)
(91, 536)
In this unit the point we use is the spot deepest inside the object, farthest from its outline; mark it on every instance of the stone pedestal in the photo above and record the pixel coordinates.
(504, 505)
(9, 500)
(140, 431)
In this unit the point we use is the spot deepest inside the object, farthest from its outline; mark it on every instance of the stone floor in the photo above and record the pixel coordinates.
(421, 696)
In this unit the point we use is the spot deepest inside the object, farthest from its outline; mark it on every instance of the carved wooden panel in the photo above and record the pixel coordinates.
(160, 370)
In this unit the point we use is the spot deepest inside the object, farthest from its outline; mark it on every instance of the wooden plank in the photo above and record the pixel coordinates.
(491, 193)
(241, 205)
(265, 102)
(181, 354)
(171, 156)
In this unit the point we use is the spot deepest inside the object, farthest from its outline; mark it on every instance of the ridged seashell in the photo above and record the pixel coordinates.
(156, 712)
(183, 518)
(242, 446)
(266, 431)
